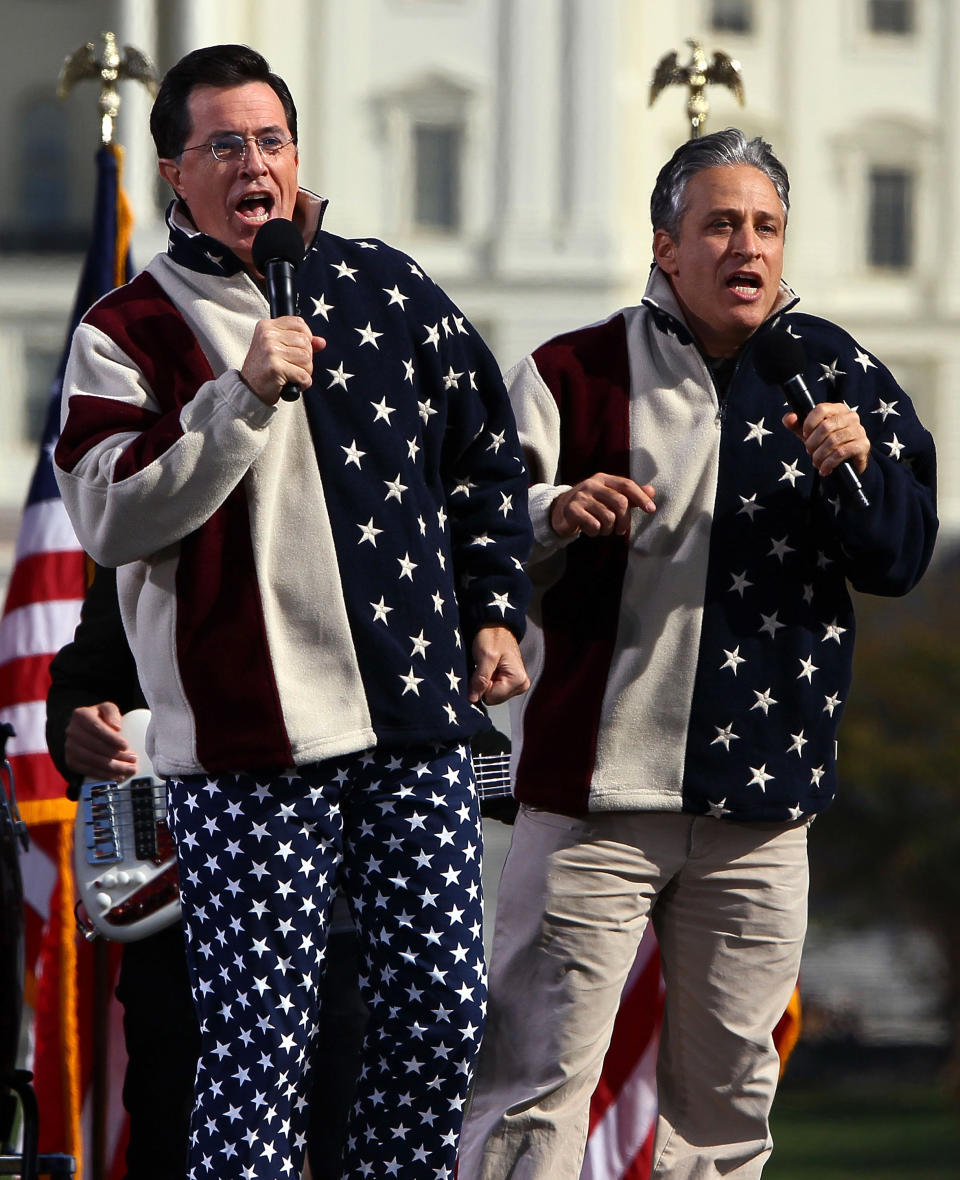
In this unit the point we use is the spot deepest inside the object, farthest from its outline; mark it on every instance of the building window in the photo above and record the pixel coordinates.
(732, 16)
(437, 154)
(890, 219)
(890, 16)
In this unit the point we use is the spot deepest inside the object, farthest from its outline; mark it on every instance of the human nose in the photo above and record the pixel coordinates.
(253, 161)
(747, 242)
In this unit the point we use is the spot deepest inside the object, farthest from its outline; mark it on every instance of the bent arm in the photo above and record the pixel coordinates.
(135, 478)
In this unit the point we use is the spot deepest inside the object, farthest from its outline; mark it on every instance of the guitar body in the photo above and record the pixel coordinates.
(124, 858)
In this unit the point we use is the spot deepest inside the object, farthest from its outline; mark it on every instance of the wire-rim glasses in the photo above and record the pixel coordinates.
(231, 148)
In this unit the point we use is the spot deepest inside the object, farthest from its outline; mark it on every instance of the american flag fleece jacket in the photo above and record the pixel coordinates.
(702, 663)
(303, 580)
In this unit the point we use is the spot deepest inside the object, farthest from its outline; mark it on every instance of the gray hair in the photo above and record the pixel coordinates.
(721, 149)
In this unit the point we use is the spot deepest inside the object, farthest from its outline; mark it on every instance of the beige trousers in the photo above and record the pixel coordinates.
(729, 908)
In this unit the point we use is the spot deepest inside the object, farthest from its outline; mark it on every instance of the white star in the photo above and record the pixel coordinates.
(368, 336)
(795, 812)
(816, 775)
(321, 307)
(426, 410)
(734, 659)
(369, 533)
(420, 645)
(501, 602)
(353, 454)
(863, 361)
(780, 549)
(396, 296)
(380, 610)
(832, 631)
(407, 371)
(454, 680)
(791, 473)
(749, 505)
(807, 593)
(831, 372)
(831, 703)
(896, 446)
(887, 408)
(433, 335)
(771, 624)
(724, 737)
(740, 583)
(717, 810)
(757, 432)
(807, 669)
(451, 378)
(482, 540)
(383, 410)
(395, 489)
(411, 682)
(506, 503)
(344, 271)
(764, 701)
(497, 441)
(406, 566)
(760, 777)
(799, 741)
(338, 376)
(437, 604)
(415, 270)
(413, 449)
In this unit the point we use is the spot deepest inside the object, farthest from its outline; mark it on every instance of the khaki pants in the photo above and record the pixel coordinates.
(729, 908)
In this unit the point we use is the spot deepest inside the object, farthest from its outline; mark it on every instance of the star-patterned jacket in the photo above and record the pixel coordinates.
(702, 663)
(303, 580)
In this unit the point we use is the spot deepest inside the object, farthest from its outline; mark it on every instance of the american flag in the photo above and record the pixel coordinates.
(41, 611)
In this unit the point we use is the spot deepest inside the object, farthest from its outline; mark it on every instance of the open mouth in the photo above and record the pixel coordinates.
(255, 208)
(744, 283)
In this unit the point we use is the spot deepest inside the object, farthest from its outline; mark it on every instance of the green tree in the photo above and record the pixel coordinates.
(890, 845)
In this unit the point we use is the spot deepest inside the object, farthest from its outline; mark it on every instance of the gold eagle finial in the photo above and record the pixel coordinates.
(110, 68)
(696, 75)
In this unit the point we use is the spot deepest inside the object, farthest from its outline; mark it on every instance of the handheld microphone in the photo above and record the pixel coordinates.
(277, 252)
(780, 359)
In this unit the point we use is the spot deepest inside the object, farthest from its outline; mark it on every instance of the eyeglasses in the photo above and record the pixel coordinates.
(230, 149)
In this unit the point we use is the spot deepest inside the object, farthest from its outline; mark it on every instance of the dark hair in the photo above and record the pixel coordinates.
(215, 65)
(722, 149)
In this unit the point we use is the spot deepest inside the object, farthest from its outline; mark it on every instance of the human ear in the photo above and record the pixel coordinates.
(665, 251)
(170, 171)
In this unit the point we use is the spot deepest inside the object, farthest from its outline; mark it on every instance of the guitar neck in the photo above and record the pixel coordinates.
(492, 773)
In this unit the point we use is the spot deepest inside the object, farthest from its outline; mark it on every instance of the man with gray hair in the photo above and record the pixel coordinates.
(690, 637)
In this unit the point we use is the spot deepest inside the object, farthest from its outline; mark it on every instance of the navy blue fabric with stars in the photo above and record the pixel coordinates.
(775, 659)
(260, 860)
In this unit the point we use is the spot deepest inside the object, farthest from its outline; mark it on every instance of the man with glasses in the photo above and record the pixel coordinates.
(318, 593)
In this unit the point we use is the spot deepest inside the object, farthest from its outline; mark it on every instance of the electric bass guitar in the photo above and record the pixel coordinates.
(124, 857)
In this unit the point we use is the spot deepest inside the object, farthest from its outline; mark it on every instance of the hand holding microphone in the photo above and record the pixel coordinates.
(284, 342)
(780, 360)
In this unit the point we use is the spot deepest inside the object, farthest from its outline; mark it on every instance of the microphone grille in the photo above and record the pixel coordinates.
(278, 240)
(778, 356)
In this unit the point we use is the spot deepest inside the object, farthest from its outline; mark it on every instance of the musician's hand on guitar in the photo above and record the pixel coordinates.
(94, 745)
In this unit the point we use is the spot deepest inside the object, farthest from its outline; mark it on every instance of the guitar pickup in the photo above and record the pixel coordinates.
(145, 817)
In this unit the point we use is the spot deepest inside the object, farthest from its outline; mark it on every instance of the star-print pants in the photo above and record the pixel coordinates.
(260, 861)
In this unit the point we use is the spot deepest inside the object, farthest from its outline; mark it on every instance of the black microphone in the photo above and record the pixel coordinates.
(780, 359)
(277, 252)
